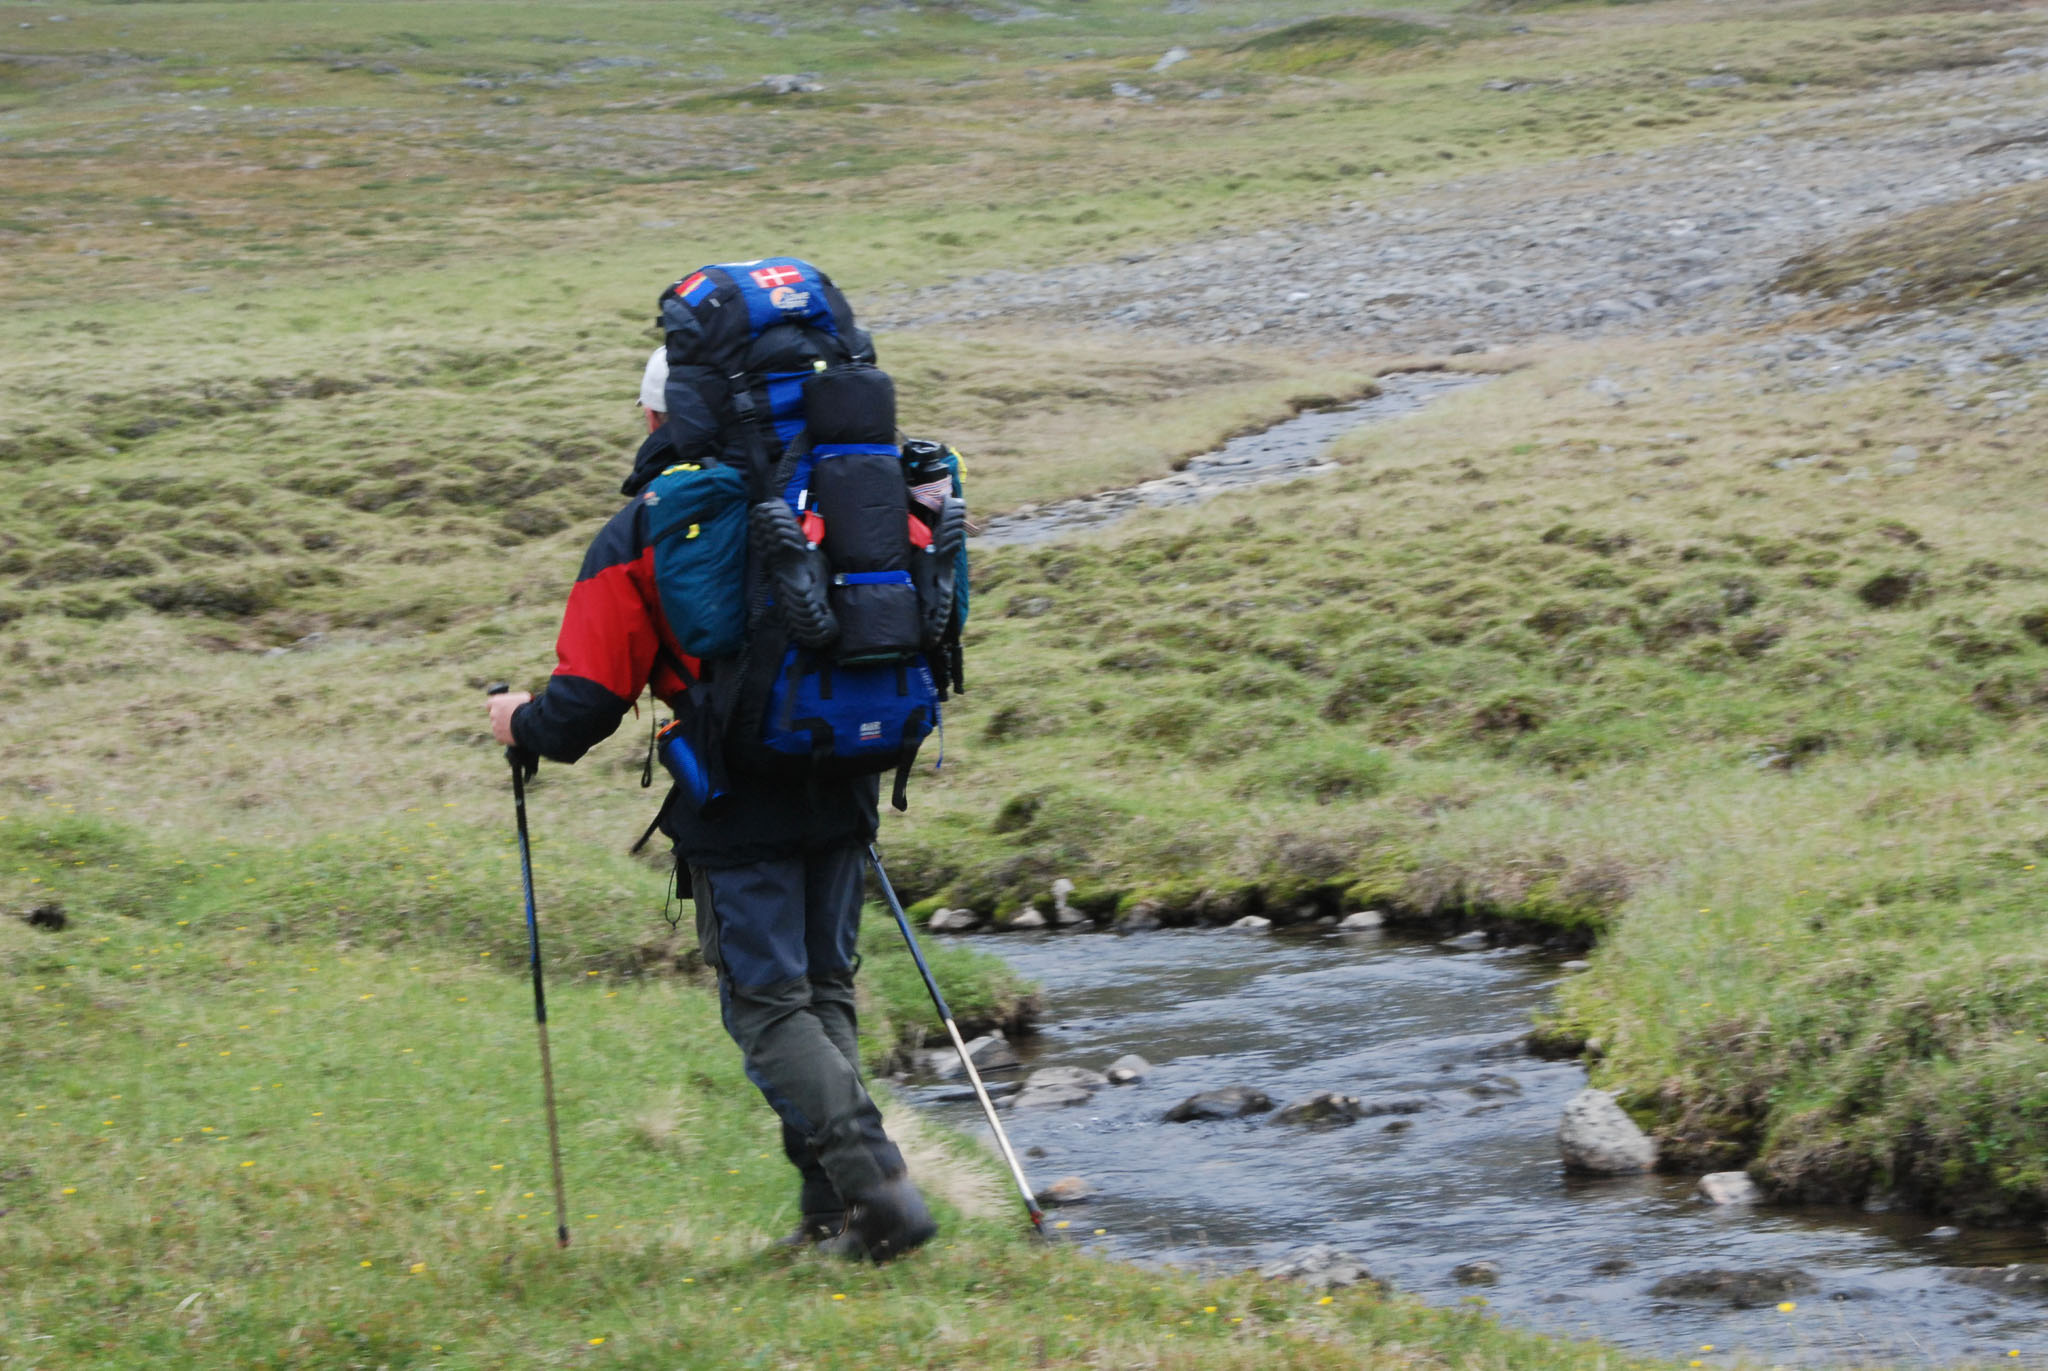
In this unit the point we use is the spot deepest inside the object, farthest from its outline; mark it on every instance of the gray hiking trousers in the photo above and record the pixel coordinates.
(781, 934)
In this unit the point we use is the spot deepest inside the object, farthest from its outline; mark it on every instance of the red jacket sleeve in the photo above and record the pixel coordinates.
(612, 644)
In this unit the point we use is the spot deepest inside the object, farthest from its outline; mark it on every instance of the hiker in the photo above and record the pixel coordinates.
(777, 779)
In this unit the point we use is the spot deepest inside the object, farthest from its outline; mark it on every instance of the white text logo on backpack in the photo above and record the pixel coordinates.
(788, 300)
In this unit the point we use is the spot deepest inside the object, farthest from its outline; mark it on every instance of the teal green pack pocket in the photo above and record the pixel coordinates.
(697, 525)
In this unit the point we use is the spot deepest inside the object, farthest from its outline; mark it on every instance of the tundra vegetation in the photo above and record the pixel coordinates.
(322, 327)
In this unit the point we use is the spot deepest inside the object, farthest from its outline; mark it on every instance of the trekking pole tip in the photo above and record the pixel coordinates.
(561, 1237)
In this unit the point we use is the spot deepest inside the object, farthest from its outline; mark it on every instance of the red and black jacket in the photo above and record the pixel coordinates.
(613, 644)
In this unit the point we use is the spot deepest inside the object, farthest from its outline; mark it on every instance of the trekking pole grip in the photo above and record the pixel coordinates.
(523, 763)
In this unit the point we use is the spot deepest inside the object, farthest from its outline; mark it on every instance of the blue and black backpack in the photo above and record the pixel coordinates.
(811, 561)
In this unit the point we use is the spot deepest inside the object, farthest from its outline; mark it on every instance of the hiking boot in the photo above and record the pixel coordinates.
(884, 1224)
(814, 1228)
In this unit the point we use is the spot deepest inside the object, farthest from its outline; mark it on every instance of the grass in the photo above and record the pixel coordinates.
(1693, 676)
(1640, 673)
(230, 1143)
(1990, 247)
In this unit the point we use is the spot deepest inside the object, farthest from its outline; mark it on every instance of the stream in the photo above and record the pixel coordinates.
(1289, 449)
(1474, 1176)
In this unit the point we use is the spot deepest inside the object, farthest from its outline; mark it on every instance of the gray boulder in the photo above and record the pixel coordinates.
(1252, 923)
(1128, 1068)
(1231, 1102)
(1360, 922)
(1477, 1273)
(953, 920)
(1596, 1137)
(1028, 917)
(1729, 1187)
(1322, 1266)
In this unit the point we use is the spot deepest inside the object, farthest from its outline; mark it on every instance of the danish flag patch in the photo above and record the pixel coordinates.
(768, 278)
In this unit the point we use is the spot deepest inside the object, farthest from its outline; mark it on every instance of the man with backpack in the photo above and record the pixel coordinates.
(786, 578)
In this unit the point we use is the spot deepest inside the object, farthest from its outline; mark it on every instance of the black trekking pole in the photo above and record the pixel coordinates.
(953, 1030)
(540, 999)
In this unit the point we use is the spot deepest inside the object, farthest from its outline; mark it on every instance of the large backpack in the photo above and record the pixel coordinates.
(813, 564)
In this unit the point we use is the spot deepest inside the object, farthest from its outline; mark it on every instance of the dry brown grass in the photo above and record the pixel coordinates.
(1988, 247)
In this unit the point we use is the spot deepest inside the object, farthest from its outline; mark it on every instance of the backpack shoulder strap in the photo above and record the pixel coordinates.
(760, 476)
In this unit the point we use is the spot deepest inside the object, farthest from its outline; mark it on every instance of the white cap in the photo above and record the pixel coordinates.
(654, 382)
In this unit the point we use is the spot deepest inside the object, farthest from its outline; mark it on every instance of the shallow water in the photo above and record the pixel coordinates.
(1475, 1176)
(1282, 452)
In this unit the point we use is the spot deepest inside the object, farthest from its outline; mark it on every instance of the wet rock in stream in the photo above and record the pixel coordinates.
(1596, 1137)
(1740, 1289)
(1128, 1069)
(1324, 1109)
(962, 1094)
(1048, 1097)
(1729, 1187)
(1058, 1087)
(1476, 1273)
(1322, 1266)
(1231, 1102)
(1490, 1087)
(2020, 1278)
(991, 1052)
(1065, 1191)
